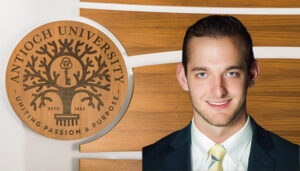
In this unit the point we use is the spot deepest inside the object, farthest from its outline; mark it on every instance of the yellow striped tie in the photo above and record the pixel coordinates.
(217, 153)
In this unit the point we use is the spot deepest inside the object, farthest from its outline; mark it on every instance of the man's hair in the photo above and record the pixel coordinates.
(218, 26)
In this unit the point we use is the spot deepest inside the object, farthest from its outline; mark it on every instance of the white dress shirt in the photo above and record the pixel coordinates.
(237, 149)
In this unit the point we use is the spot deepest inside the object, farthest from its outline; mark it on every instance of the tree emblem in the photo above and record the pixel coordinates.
(68, 80)
(53, 71)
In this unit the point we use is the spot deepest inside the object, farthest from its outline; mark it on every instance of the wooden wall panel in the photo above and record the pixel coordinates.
(146, 32)
(275, 100)
(159, 106)
(109, 165)
(208, 3)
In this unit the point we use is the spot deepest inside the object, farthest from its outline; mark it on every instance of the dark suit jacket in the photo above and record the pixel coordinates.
(268, 152)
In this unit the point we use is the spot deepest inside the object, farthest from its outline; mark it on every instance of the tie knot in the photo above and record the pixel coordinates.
(217, 152)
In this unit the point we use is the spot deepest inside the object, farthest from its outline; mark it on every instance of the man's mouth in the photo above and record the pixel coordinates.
(221, 104)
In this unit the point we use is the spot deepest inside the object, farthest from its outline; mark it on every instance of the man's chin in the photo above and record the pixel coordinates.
(221, 119)
(225, 120)
(220, 124)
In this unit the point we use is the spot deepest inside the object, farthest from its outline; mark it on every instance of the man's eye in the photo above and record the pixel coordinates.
(232, 74)
(201, 75)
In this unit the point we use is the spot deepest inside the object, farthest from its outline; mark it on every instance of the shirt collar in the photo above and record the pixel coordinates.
(234, 145)
(237, 143)
(199, 140)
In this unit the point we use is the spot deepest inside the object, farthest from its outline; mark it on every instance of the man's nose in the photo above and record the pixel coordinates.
(219, 88)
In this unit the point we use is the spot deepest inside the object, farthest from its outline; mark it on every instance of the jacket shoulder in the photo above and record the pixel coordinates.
(169, 153)
(284, 146)
(278, 143)
(158, 148)
(283, 152)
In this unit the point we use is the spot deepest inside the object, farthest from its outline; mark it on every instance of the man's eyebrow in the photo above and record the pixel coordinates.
(199, 69)
(238, 67)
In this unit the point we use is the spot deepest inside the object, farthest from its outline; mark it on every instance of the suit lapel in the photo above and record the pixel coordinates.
(259, 158)
(180, 156)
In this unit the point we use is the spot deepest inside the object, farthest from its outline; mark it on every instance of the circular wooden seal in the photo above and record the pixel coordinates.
(67, 80)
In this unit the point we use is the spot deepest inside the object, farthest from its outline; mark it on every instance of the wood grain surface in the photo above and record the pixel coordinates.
(146, 32)
(159, 106)
(208, 3)
(274, 102)
(109, 165)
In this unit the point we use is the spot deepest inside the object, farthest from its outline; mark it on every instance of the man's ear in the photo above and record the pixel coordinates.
(181, 77)
(254, 71)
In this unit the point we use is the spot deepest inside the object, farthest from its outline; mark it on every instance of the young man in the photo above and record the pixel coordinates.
(217, 68)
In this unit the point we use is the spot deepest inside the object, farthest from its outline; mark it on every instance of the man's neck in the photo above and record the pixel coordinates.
(219, 134)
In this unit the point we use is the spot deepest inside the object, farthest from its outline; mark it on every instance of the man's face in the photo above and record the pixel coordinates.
(216, 79)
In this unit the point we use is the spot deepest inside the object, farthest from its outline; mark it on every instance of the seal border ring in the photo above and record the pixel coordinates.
(130, 79)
